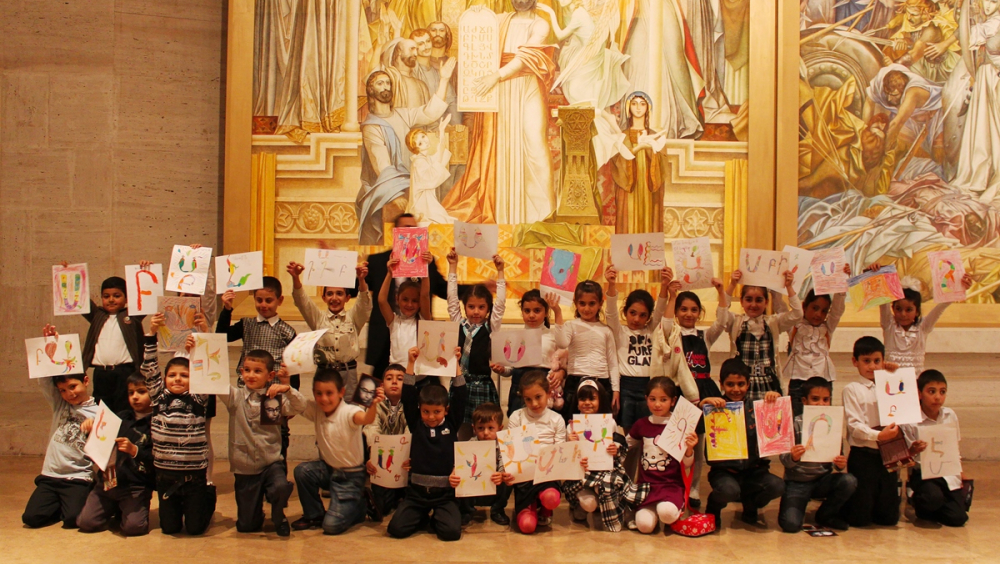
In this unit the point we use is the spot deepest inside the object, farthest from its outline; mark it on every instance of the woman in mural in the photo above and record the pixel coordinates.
(639, 180)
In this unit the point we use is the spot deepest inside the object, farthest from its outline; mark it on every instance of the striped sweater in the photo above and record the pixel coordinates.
(178, 421)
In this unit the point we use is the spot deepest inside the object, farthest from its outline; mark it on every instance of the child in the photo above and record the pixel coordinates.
(635, 341)
(180, 445)
(342, 458)
(533, 503)
(255, 449)
(662, 472)
(876, 499)
(338, 347)
(474, 337)
(590, 346)
(809, 349)
(608, 490)
(754, 336)
(434, 428)
(749, 480)
(127, 485)
(389, 420)
(62, 488)
(412, 299)
(265, 332)
(487, 419)
(814, 480)
(935, 499)
(427, 172)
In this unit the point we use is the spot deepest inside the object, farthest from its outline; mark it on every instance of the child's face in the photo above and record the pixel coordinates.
(328, 396)
(73, 391)
(433, 415)
(408, 302)
(588, 404)
(659, 403)
(932, 397)
(113, 300)
(335, 298)
(536, 399)
(487, 431)
(867, 364)
(687, 313)
(177, 380)
(816, 312)
(422, 142)
(637, 316)
(533, 313)
(266, 302)
(734, 387)
(138, 398)
(754, 301)
(476, 310)
(255, 374)
(588, 306)
(392, 385)
(817, 396)
(905, 313)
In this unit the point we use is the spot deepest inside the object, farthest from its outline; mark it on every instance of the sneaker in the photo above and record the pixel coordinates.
(750, 516)
(304, 524)
(544, 517)
(500, 518)
(579, 515)
(283, 529)
(371, 508)
(466, 519)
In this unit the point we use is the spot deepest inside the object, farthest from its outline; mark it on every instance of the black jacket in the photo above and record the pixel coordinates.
(131, 330)
(136, 471)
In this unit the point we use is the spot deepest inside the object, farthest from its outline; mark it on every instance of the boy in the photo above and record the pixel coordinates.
(434, 426)
(61, 489)
(265, 332)
(338, 348)
(127, 485)
(487, 419)
(390, 420)
(936, 499)
(749, 480)
(341, 468)
(876, 499)
(180, 444)
(814, 480)
(255, 449)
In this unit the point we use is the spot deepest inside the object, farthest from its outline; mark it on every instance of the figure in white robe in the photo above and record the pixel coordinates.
(427, 172)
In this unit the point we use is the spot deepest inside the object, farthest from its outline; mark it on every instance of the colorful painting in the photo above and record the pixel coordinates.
(210, 364)
(596, 433)
(763, 268)
(475, 463)
(638, 251)
(941, 457)
(560, 271)
(517, 347)
(822, 432)
(298, 355)
(775, 426)
(335, 269)
(437, 341)
(896, 393)
(476, 240)
(519, 451)
(683, 421)
(54, 357)
(947, 272)
(188, 272)
(101, 442)
(239, 272)
(725, 432)
(559, 462)
(874, 288)
(693, 266)
(828, 274)
(144, 287)
(409, 245)
(70, 290)
(178, 321)
(388, 453)
(798, 263)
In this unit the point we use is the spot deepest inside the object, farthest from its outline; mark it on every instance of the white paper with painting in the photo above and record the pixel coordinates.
(798, 264)
(947, 272)
(693, 266)
(178, 321)
(49, 357)
(188, 270)
(209, 364)
(896, 393)
(828, 272)
(683, 421)
(475, 240)
(638, 251)
(70, 289)
(559, 462)
(941, 457)
(822, 432)
(519, 451)
(517, 347)
(144, 287)
(437, 341)
(323, 267)
(595, 433)
(763, 268)
(101, 442)
(388, 453)
(298, 355)
(475, 463)
(239, 272)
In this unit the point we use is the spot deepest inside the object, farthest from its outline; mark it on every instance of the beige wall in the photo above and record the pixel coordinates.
(110, 145)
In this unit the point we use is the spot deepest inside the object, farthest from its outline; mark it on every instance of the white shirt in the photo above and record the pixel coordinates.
(810, 355)
(337, 435)
(550, 425)
(273, 320)
(591, 347)
(861, 412)
(906, 347)
(402, 338)
(635, 348)
(945, 417)
(111, 349)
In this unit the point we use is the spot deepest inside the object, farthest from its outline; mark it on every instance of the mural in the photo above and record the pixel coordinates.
(899, 143)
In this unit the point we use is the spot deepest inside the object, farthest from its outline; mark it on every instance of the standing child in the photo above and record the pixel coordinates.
(483, 317)
(487, 419)
(265, 332)
(413, 302)
(635, 341)
(533, 503)
(754, 336)
(389, 420)
(662, 472)
(62, 488)
(749, 480)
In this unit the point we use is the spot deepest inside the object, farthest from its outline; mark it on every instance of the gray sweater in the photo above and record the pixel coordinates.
(252, 446)
(803, 471)
(64, 456)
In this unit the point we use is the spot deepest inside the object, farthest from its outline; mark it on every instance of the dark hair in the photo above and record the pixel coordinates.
(63, 378)
(116, 283)
(433, 394)
(930, 376)
(406, 285)
(534, 295)
(734, 366)
(600, 393)
(135, 379)
(482, 292)
(588, 287)
(261, 356)
(913, 297)
(395, 367)
(812, 297)
(395, 222)
(868, 345)
(639, 296)
(325, 375)
(273, 284)
(534, 377)
(487, 412)
(662, 383)
(688, 295)
(177, 361)
(743, 292)
(816, 382)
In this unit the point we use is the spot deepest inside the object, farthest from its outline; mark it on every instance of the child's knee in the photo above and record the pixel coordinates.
(667, 512)
(36, 520)
(449, 533)
(645, 520)
(588, 501)
(335, 525)
(549, 498)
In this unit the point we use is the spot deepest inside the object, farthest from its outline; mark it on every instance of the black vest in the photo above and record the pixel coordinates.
(482, 350)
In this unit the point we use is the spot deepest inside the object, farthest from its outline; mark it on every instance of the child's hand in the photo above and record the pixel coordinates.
(717, 403)
(295, 269)
(427, 257)
(189, 343)
(195, 246)
(789, 278)
(674, 287)
(691, 440)
(873, 267)
(890, 366)
(86, 426)
(552, 299)
(371, 468)
(156, 322)
(717, 284)
(737, 276)
(797, 452)
(498, 368)
(616, 402)
(64, 264)
(392, 264)
(890, 432)
(406, 465)
(917, 447)
(847, 269)
(666, 275)
(508, 478)
(227, 299)
(276, 389)
(282, 374)
(458, 354)
(583, 463)
(571, 436)
(126, 446)
(613, 449)
(379, 397)
(361, 271)
(50, 331)
(771, 396)
(966, 281)
(145, 264)
(444, 124)
(452, 257)
(496, 478)
(454, 479)
(413, 354)
(200, 322)
(840, 461)
(611, 274)
(498, 262)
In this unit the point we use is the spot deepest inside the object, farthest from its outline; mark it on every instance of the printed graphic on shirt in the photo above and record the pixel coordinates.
(69, 433)
(640, 348)
(653, 457)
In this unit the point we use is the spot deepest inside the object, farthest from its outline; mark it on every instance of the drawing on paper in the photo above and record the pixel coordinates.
(178, 321)
(683, 421)
(941, 457)
(560, 271)
(243, 271)
(209, 364)
(763, 268)
(597, 433)
(894, 392)
(559, 462)
(639, 251)
(437, 342)
(298, 355)
(775, 434)
(408, 245)
(799, 261)
(144, 287)
(693, 263)
(822, 432)
(872, 289)
(101, 443)
(188, 270)
(325, 267)
(476, 240)
(517, 347)
(947, 272)
(388, 453)
(519, 451)
(70, 290)
(828, 274)
(725, 432)
(475, 463)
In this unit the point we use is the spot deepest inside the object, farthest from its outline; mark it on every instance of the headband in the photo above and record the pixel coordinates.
(587, 382)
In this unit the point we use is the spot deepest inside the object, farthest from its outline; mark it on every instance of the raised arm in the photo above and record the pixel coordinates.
(233, 332)
(454, 305)
(383, 295)
(500, 303)
(837, 308)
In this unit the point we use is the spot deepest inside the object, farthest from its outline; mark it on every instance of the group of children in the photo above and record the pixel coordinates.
(635, 370)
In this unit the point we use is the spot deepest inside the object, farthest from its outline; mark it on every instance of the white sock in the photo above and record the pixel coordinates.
(667, 512)
(645, 520)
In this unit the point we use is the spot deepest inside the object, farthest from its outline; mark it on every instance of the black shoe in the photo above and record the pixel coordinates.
(500, 518)
(695, 503)
(304, 524)
(715, 511)
(749, 515)
(371, 508)
(466, 519)
(283, 529)
(833, 523)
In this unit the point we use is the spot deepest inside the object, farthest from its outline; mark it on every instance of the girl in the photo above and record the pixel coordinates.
(635, 341)
(590, 346)
(482, 319)
(412, 302)
(665, 500)
(753, 335)
(427, 172)
(533, 503)
(607, 489)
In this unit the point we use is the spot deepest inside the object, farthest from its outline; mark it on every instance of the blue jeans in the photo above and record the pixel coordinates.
(834, 489)
(347, 505)
(633, 400)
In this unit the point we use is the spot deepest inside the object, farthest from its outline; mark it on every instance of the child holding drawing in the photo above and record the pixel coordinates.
(413, 302)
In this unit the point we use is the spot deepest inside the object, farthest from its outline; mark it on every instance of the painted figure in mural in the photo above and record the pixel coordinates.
(639, 180)
(428, 171)
(440, 42)
(416, 14)
(923, 39)
(912, 102)
(384, 25)
(399, 59)
(272, 43)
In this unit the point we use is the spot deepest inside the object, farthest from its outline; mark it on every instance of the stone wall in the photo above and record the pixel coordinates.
(111, 136)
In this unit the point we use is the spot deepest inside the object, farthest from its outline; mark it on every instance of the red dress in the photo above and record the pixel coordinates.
(660, 470)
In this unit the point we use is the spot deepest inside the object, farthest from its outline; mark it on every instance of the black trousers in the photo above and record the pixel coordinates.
(496, 503)
(412, 513)
(55, 499)
(933, 501)
(110, 387)
(251, 490)
(876, 499)
(387, 499)
(186, 502)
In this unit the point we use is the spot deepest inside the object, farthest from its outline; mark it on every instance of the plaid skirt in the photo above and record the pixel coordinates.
(481, 390)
